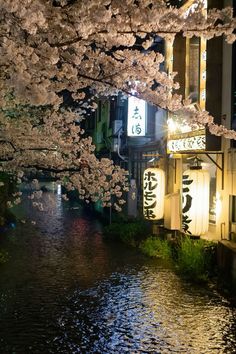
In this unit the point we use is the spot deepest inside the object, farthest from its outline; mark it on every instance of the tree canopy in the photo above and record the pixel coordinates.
(102, 47)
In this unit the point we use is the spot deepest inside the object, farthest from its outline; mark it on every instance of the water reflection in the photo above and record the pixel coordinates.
(137, 312)
(66, 291)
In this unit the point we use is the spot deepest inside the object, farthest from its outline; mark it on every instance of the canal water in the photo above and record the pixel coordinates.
(65, 290)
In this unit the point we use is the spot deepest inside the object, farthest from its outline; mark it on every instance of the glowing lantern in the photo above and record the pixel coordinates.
(195, 208)
(153, 193)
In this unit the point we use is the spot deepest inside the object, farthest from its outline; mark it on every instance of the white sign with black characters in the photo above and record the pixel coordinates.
(136, 116)
(195, 201)
(187, 144)
(153, 193)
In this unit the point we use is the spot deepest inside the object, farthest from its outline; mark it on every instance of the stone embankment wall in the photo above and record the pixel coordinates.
(226, 258)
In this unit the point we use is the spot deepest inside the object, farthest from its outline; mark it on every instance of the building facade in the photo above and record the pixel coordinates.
(138, 136)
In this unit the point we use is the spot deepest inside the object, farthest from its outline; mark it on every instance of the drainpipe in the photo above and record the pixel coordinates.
(124, 158)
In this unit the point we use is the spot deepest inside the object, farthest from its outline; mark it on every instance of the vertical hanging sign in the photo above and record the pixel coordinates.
(136, 116)
(195, 196)
(153, 193)
(132, 199)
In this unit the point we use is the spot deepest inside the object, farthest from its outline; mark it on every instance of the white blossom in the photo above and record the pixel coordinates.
(76, 47)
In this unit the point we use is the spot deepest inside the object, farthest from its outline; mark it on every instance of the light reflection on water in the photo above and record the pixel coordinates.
(66, 291)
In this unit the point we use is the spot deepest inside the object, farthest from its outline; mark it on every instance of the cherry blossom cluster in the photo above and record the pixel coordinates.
(103, 47)
(50, 46)
(57, 145)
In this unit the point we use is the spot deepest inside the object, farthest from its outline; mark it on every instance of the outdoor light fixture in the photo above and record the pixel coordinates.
(58, 189)
(153, 193)
(182, 137)
(195, 199)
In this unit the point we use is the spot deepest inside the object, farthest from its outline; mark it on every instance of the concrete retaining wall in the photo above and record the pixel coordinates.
(226, 259)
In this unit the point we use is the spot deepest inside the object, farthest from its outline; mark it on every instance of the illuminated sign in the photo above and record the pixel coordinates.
(153, 193)
(195, 197)
(187, 144)
(181, 136)
(136, 116)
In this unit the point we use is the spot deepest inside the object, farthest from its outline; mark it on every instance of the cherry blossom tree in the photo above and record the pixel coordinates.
(103, 47)
(53, 142)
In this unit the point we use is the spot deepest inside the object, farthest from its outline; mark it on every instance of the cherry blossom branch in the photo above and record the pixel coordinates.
(18, 149)
(8, 142)
(106, 83)
(160, 32)
(51, 169)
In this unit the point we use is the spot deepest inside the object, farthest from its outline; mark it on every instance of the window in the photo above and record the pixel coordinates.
(194, 69)
(233, 116)
(233, 208)
(233, 119)
(99, 111)
(113, 111)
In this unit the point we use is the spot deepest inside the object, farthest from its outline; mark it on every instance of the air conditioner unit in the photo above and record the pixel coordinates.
(116, 126)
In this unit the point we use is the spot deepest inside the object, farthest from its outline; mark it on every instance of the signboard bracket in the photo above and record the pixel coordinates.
(221, 168)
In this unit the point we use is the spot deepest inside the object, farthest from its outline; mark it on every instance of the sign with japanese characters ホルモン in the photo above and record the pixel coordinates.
(153, 193)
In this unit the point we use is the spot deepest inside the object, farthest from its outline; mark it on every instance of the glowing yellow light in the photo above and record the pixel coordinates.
(218, 204)
(185, 128)
(153, 193)
(195, 208)
(172, 125)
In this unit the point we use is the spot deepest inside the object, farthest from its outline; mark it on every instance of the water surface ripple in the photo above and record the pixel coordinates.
(64, 290)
